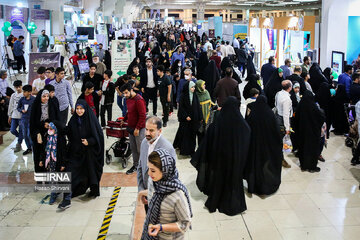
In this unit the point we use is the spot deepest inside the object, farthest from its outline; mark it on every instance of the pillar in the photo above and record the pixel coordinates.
(188, 16)
(166, 13)
(57, 15)
(201, 11)
(334, 28)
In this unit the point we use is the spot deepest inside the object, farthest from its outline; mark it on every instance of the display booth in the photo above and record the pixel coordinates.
(353, 46)
(283, 37)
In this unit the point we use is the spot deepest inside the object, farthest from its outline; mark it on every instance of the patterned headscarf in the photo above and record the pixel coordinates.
(167, 185)
(51, 145)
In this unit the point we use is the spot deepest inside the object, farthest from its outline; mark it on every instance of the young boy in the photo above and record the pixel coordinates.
(24, 107)
(39, 83)
(15, 115)
(107, 97)
(121, 100)
(74, 61)
(165, 85)
(91, 97)
(50, 75)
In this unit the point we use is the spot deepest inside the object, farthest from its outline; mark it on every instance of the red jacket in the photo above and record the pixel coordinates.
(136, 112)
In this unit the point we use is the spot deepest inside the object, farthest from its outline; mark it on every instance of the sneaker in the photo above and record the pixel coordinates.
(321, 159)
(131, 170)
(285, 164)
(317, 169)
(64, 204)
(27, 151)
(53, 198)
(25, 72)
(165, 124)
(17, 148)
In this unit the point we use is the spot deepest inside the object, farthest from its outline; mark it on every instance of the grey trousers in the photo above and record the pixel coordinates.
(135, 143)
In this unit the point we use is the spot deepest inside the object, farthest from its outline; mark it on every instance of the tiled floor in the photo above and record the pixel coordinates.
(323, 205)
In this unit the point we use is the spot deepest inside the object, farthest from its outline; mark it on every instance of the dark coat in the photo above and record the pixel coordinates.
(144, 77)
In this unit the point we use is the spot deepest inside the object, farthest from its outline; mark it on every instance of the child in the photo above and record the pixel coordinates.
(254, 93)
(15, 115)
(136, 80)
(121, 101)
(50, 75)
(74, 61)
(107, 97)
(39, 83)
(323, 142)
(24, 107)
(91, 98)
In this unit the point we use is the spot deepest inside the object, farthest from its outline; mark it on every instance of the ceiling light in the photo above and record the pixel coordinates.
(19, 4)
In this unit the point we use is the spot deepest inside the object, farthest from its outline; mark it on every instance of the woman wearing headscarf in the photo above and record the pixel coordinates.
(326, 102)
(189, 116)
(169, 214)
(135, 62)
(250, 67)
(252, 82)
(273, 86)
(308, 121)
(263, 168)
(107, 59)
(225, 63)
(340, 122)
(164, 60)
(89, 55)
(212, 76)
(86, 150)
(201, 66)
(221, 158)
(328, 74)
(206, 105)
(44, 111)
(316, 77)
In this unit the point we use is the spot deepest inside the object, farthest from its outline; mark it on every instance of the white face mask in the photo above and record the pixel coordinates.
(179, 64)
(187, 77)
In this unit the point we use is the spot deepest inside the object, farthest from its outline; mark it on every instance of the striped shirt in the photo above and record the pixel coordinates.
(175, 209)
(63, 93)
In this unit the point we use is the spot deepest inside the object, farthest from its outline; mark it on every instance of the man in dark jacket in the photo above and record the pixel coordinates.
(226, 87)
(242, 59)
(267, 70)
(355, 88)
(295, 77)
(149, 84)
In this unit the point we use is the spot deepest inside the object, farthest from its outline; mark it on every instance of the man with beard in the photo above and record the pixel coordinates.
(153, 141)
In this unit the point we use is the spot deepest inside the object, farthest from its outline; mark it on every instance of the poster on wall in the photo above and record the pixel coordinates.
(307, 40)
(240, 31)
(269, 43)
(211, 33)
(84, 66)
(337, 61)
(37, 60)
(40, 14)
(59, 39)
(123, 52)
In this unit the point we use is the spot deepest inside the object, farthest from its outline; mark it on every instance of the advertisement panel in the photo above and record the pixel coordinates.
(123, 52)
(37, 60)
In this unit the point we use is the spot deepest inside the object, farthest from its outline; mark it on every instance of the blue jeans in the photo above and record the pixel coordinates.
(25, 129)
(14, 124)
(121, 102)
(76, 72)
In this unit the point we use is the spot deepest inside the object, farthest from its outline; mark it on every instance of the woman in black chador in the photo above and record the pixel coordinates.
(273, 86)
(263, 169)
(43, 111)
(189, 116)
(221, 158)
(309, 120)
(340, 122)
(85, 150)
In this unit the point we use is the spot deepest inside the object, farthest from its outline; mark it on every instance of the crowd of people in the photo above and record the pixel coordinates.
(198, 78)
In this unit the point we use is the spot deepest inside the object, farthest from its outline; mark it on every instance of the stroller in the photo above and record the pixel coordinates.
(353, 136)
(121, 147)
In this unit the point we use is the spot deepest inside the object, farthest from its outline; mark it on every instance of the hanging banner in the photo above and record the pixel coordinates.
(13, 14)
(37, 60)
(123, 52)
(211, 33)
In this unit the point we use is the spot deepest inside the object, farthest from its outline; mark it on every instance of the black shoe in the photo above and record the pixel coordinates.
(64, 204)
(164, 125)
(27, 151)
(355, 161)
(317, 169)
(321, 159)
(131, 170)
